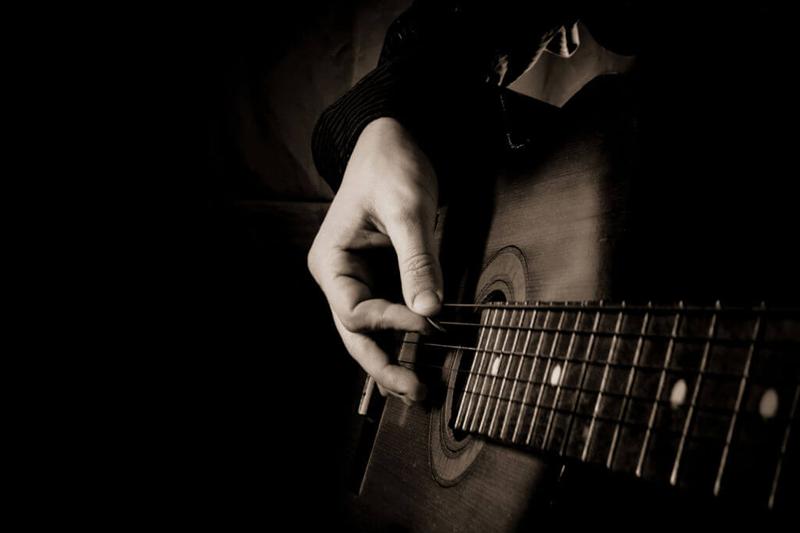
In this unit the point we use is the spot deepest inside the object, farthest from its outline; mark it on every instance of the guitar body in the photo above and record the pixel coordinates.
(566, 220)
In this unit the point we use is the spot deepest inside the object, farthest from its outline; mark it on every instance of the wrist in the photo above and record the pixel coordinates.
(386, 154)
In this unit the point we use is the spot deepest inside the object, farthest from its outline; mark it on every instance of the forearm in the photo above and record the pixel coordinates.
(338, 128)
(440, 105)
(428, 68)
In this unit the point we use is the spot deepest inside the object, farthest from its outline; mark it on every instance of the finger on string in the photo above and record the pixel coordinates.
(375, 362)
(353, 302)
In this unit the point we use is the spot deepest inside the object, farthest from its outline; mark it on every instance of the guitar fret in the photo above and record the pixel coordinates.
(547, 432)
(738, 404)
(784, 446)
(613, 364)
(607, 419)
(581, 379)
(664, 402)
(603, 382)
(489, 361)
(673, 478)
(470, 376)
(477, 359)
(519, 371)
(505, 375)
(628, 388)
(661, 381)
(530, 379)
(610, 307)
(544, 381)
(496, 362)
(688, 398)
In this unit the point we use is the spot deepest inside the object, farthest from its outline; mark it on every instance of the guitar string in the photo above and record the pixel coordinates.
(628, 392)
(504, 380)
(615, 308)
(612, 350)
(757, 330)
(655, 431)
(581, 380)
(598, 417)
(595, 362)
(579, 390)
(489, 360)
(531, 373)
(689, 419)
(617, 421)
(546, 438)
(693, 339)
(479, 358)
(546, 373)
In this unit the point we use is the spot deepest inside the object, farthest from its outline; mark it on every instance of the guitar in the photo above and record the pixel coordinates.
(587, 375)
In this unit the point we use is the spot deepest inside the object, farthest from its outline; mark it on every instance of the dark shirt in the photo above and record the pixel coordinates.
(440, 60)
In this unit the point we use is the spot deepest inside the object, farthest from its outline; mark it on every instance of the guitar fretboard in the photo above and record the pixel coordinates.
(704, 397)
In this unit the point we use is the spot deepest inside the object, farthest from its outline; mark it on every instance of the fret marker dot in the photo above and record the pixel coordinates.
(768, 406)
(555, 375)
(495, 366)
(678, 394)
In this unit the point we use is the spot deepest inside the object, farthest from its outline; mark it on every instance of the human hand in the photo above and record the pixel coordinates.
(388, 197)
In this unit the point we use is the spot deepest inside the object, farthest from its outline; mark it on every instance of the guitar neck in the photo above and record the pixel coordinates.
(701, 397)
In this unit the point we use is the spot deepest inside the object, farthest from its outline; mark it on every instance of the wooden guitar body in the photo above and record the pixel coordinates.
(567, 220)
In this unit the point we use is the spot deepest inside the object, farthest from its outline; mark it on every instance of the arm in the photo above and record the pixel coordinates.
(381, 145)
(438, 73)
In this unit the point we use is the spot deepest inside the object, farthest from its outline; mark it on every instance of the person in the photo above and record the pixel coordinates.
(378, 146)
(384, 144)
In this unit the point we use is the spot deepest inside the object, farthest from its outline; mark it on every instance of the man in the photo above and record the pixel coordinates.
(438, 58)
(384, 143)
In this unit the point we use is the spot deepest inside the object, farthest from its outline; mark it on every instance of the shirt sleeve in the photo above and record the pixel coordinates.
(440, 64)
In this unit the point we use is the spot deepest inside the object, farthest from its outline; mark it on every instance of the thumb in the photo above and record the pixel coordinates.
(420, 273)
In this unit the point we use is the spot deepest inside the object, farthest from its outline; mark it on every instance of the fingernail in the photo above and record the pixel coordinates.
(426, 302)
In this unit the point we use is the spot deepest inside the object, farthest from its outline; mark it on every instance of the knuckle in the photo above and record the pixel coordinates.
(384, 319)
(388, 379)
(404, 206)
(358, 319)
(400, 213)
(350, 322)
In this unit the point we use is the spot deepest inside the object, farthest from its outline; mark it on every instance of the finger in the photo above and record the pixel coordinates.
(375, 314)
(420, 273)
(352, 300)
(390, 378)
(363, 239)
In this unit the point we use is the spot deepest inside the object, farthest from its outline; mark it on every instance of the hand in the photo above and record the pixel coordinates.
(388, 197)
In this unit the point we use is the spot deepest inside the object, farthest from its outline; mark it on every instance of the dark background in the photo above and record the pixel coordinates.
(170, 363)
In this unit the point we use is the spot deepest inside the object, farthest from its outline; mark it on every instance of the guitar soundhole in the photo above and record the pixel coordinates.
(465, 362)
(452, 452)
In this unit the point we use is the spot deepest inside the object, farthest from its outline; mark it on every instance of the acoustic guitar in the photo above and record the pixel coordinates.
(620, 348)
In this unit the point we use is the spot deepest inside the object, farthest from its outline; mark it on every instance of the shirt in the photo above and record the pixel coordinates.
(441, 59)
